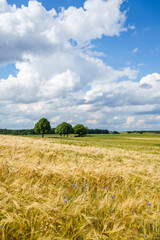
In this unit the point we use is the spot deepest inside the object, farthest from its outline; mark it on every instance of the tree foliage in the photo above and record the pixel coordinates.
(42, 126)
(115, 132)
(64, 129)
(80, 130)
(98, 131)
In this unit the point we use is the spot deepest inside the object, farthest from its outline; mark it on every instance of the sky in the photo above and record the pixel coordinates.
(94, 62)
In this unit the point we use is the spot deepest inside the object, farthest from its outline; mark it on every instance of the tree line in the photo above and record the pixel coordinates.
(52, 131)
(141, 132)
(17, 132)
(64, 129)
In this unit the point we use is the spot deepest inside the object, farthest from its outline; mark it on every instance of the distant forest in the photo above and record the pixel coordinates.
(141, 132)
(52, 131)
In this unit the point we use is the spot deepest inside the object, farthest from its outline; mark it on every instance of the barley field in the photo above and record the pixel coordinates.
(96, 187)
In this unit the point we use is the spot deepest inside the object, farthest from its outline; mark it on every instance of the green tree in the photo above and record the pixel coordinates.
(64, 129)
(42, 126)
(80, 130)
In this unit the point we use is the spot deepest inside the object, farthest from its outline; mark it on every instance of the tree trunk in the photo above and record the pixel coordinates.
(42, 135)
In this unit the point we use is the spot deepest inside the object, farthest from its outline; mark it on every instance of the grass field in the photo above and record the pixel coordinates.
(96, 187)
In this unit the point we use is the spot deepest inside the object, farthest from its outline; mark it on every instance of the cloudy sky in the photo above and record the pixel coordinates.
(95, 62)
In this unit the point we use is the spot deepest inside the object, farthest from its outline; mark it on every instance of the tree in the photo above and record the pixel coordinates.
(80, 130)
(42, 126)
(115, 132)
(64, 129)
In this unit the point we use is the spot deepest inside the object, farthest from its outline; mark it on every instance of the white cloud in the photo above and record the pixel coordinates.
(70, 121)
(116, 118)
(22, 31)
(132, 27)
(105, 16)
(23, 88)
(140, 122)
(135, 50)
(92, 121)
(4, 7)
(130, 120)
(59, 85)
(151, 79)
(140, 64)
(33, 29)
(125, 93)
(55, 119)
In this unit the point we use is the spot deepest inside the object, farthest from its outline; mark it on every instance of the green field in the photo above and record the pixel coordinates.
(143, 142)
(70, 188)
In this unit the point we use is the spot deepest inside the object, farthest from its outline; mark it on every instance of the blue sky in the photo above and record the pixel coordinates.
(144, 15)
(108, 79)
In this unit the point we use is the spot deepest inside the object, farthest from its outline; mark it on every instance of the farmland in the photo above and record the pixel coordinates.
(95, 187)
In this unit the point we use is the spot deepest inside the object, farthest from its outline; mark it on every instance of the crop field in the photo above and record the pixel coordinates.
(91, 188)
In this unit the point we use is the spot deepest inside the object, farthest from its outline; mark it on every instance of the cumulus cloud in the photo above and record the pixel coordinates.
(39, 42)
(105, 16)
(33, 29)
(22, 30)
(151, 79)
(125, 92)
